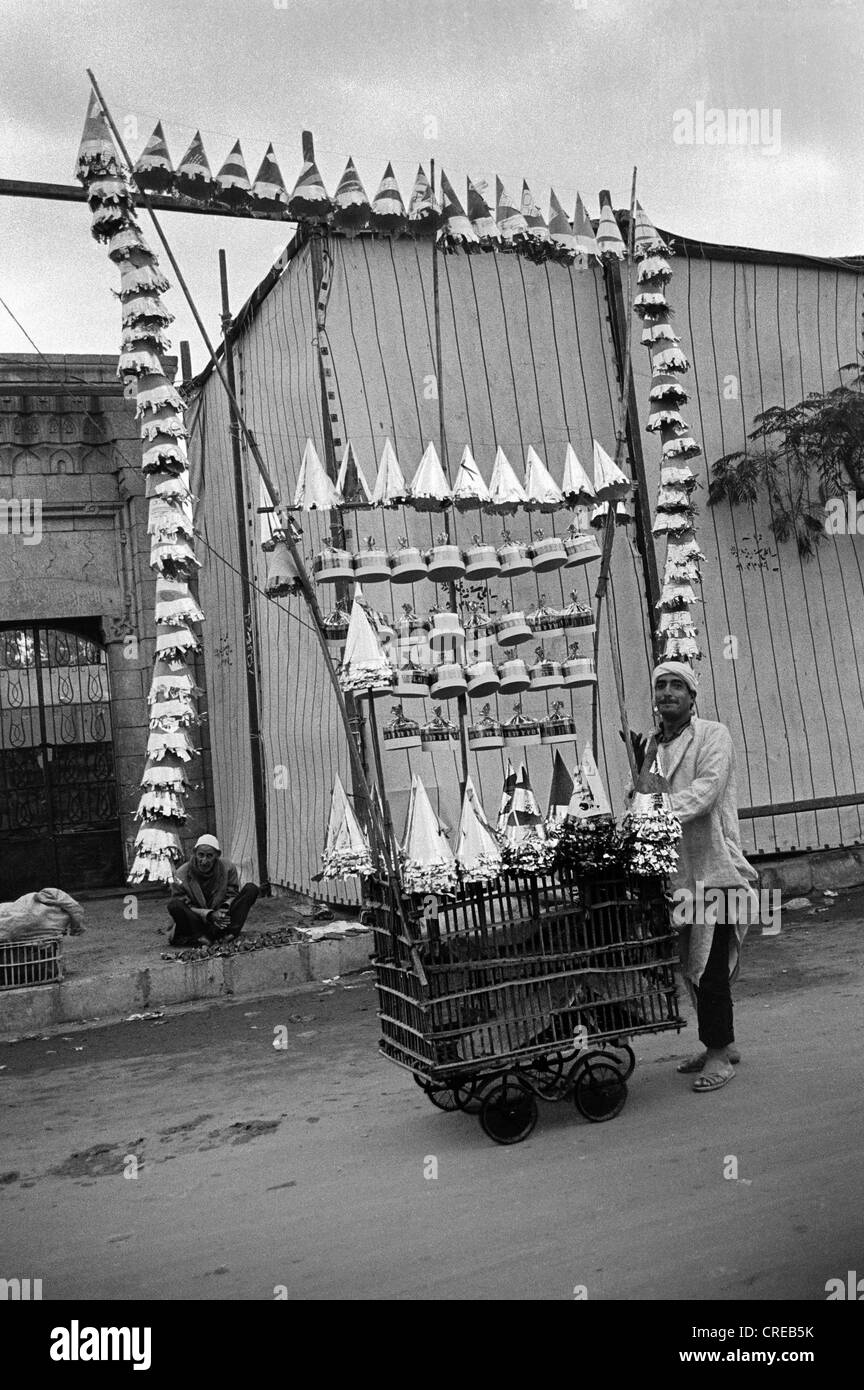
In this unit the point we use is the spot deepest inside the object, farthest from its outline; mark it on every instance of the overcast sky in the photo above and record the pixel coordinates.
(571, 93)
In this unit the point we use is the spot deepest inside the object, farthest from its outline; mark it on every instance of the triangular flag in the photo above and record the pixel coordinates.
(609, 481)
(480, 215)
(96, 153)
(390, 489)
(456, 224)
(477, 852)
(232, 177)
(153, 167)
(351, 483)
(589, 794)
(584, 231)
(561, 792)
(560, 229)
(469, 490)
(576, 487)
(422, 206)
(309, 198)
(505, 490)
(609, 238)
(542, 493)
(532, 214)
(506, 795)
(314, 491)
(269, 186)
(647, 240)
(351, 206)
(507, 214)
(193, 171)
(388, 210)
(430, 490)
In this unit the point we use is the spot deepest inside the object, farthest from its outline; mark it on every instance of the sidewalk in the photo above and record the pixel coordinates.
(122, 966)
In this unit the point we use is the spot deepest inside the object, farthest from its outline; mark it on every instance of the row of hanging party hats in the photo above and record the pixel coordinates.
(675, 513)
(427, 861)
(429, 489)
(511, 222)
(159, 408)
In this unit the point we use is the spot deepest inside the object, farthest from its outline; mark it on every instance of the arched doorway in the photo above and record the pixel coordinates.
(59, 823)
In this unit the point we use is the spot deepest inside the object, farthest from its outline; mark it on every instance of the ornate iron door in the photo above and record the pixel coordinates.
(59, 824)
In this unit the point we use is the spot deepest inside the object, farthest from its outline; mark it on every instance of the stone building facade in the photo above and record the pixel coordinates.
(77, 634)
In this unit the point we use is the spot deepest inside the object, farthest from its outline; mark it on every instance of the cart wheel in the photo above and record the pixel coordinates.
(600, 1091)
(509, 1114)
(468, 1094)
(548, 1077)
(631, 1059)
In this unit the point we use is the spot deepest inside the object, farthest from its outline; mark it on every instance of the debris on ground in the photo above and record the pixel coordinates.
(795, 903)
(151, 1013)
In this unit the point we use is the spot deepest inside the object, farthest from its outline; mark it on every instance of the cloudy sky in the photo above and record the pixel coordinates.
(568, 93)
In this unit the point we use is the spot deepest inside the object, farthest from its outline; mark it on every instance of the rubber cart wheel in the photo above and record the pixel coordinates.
(509, 1114)
(600, 1092)
(631, 1059)
(548, 1077)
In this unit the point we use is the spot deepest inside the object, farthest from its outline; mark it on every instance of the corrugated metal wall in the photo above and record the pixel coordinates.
(528, 359)
(761, 335)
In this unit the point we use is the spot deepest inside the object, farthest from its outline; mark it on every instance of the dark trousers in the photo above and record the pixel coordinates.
(714, 993)
(188, 926)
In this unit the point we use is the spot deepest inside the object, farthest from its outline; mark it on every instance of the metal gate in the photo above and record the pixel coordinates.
(59, 823)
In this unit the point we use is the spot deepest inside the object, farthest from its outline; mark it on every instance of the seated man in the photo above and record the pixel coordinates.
(208, 903)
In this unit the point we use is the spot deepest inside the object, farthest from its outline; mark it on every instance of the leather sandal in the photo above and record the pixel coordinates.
(697, 1061)
(714, 1080)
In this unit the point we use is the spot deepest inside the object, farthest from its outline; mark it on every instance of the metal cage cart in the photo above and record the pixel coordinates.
(525, 987)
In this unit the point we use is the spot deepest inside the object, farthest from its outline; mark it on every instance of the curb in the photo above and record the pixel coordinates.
(110, 998)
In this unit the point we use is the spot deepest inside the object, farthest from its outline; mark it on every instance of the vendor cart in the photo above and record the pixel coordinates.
(523, 987)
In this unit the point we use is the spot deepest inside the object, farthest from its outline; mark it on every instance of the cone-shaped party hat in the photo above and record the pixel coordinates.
(576, 486)
(233, 176)
(269, 186)
(510, 221)
(153, 167)
(647, 240)
(390, 489)
(388, 210)
(346, 850)
(309, 198)
(96, 153)
(430, 491)
(506, 795)
(532, 214)
(456, 224)
(480, 215)
(314, 491)
(469, 490)
(351, 483)
(477, 852)
(505, 490)
(589, 794)
(609, 238)
(561, 791)
(542, 493)
(193, 172)
(523, 819)
(427, 857)
(350, 205)
(560, 229)
(364, 665)
(609, 481)
(584, 231)
(422, 206)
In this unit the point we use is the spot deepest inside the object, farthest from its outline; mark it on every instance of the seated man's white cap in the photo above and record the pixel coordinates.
(208, 842)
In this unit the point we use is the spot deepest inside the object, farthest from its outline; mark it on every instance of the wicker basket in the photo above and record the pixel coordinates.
(33, 962)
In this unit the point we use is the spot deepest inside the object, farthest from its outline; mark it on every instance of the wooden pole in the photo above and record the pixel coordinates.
(462, 701)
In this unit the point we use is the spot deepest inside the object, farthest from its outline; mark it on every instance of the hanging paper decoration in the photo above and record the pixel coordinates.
(560, 229)
(153, 169)
(350, 205)
(159, 410)
(388, 210)
(511, 223)
(584, 233)
(423, 208)
(430, 491)
(428, 863)
(364, 668)
(269, 193)
(480, 216)
(314, 491)
(506, 493)
(525, 846)
(609, 238)
(391, 489)
(542, 493)
(469, 490)
(457, 230)
(194, 179)
(346, 849)
(610, 483)
(351, 485)
(477, 852)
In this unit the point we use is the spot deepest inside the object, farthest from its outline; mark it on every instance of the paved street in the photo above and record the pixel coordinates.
(304, 1168)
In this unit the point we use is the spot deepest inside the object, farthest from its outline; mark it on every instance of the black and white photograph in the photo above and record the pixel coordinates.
(432, 669)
